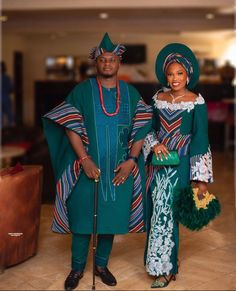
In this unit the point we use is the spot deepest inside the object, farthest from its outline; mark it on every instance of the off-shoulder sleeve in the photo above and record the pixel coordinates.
(200, 152)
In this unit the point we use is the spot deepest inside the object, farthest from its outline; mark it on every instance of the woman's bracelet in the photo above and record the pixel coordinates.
(135, 159)
(84, 158)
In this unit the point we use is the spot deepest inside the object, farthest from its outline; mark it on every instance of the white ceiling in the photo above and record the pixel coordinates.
(148, 16)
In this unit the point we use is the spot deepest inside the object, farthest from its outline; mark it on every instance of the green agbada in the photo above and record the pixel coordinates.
(108, 140)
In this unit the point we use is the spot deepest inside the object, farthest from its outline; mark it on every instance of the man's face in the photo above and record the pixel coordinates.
(107, 65)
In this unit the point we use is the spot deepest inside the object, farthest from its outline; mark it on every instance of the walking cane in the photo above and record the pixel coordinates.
(95, 227)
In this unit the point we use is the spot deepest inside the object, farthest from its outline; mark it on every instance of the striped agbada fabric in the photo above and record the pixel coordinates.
(142, 116)
(68, 116)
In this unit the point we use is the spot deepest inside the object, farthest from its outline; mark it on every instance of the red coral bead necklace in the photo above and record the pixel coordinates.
(102, 101)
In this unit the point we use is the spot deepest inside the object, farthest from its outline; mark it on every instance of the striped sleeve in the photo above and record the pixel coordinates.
(141, 125)
(68, 116)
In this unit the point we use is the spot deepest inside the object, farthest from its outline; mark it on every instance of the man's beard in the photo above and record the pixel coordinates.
(107, 75)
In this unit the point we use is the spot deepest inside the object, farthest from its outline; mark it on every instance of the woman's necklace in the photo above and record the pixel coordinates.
(177, 97)
(102, 101)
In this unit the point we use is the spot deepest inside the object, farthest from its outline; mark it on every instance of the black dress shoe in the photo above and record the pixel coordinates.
(106, 276)
(72, 280)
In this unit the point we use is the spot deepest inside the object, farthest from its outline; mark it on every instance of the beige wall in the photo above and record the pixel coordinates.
(37, 47)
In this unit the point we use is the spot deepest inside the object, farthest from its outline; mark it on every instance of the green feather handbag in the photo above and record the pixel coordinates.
(192, 212)
(171, 160)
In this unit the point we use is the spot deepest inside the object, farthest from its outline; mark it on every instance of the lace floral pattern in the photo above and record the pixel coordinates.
(149, 142)
(201, 167)
(161, 242)
(160, 104)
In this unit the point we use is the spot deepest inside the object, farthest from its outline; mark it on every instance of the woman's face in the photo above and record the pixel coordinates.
(176, 76)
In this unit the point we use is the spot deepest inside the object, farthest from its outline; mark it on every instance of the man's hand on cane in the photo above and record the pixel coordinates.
(90, 169)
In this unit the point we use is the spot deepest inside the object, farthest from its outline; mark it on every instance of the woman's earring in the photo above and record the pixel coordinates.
(168, 84)
(187, 81)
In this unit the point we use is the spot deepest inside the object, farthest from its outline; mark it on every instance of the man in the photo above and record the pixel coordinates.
(6, 91)
(98, 132)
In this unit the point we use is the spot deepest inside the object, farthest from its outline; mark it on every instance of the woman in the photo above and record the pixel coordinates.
(180, 123)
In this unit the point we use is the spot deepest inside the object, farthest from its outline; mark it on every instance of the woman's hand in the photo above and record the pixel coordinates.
(160, 149)
(123, 171)
(90, 169)
(202, 189)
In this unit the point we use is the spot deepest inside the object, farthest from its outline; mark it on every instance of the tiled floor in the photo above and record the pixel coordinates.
(207, 258)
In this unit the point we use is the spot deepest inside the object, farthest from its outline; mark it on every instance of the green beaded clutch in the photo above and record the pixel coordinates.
(171, 160)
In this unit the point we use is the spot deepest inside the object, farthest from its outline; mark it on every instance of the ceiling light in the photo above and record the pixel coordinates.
(210, 16)
(3, 18)
(103, 15)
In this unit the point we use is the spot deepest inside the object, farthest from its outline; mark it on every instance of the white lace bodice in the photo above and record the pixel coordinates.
(189, 105)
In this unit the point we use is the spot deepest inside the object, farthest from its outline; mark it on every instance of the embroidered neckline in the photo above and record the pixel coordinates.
(183, 105)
